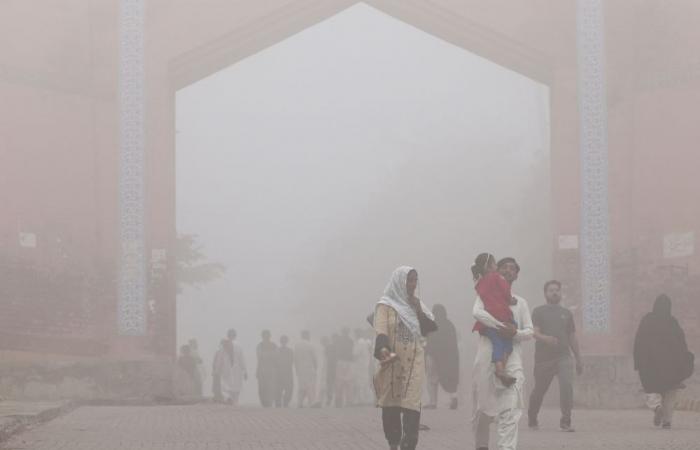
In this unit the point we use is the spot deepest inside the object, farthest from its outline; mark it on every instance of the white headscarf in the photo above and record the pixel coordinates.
(396, 297)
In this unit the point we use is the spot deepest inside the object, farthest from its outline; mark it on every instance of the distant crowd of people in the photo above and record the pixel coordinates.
(335, 371)
(411, 348)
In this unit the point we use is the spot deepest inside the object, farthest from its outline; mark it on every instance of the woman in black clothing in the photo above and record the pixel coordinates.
(662, 359)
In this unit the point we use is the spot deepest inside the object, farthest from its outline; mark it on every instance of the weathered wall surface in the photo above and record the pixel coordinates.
(90, 380)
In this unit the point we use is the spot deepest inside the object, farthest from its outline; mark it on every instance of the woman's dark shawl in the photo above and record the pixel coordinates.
(442, 348)
(660, 351)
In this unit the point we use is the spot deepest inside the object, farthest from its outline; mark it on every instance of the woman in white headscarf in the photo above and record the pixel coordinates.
(401, 321)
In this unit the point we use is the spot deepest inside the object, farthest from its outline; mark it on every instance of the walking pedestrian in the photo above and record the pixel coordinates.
(306, 366)
(266, 370)
(200, 372)
(362, 355)
(224, 360)
(187, 374)
(555, 334)
(492, 404)
(662, 359)
(442, 359)
(401, 321)
(285, 374)
(235, 372)
(331, 354)
(344, 368)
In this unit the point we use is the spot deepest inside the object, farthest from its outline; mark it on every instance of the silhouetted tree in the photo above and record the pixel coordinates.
(193, 268)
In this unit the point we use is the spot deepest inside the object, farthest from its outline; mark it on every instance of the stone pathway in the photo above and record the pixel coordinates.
(16, 417)
(217, 427)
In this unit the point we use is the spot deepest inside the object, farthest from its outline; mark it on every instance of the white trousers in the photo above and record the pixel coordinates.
(506, 429)
(667, 402)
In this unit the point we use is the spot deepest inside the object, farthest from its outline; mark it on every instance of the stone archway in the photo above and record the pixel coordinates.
(152, 72)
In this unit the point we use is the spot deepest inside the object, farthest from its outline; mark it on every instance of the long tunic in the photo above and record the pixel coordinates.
(231, 374)
(306, 365)
(491, 398)
(399, 384)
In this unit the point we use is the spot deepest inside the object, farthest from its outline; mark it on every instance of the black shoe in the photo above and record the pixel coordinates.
(657, 416)
(666, 426)
(482, 448)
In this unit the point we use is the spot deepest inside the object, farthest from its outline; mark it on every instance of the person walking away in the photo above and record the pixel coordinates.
(218, 396)
(186, 373)
(239, 370)
(362, 355)
(200, 372)
(343, 372)
(442, 359)
(332, 366)
(224, 360)
(306, 367)
(401, 321)
(322, 383)
(662, 359)
(493, 403)
(555, 335)
(285, 374)
(265, 372)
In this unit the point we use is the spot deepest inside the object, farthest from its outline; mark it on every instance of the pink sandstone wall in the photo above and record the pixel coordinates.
(59, 143)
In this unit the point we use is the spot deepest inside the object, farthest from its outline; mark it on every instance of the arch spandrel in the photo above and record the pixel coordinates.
(189, 43)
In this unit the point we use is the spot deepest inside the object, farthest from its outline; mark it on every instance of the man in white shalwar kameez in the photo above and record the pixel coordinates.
(492, 401)
(362, 352)
(230, 368)
(306, 366)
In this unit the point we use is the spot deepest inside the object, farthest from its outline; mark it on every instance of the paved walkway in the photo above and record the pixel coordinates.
(217, 427)
(18, 416)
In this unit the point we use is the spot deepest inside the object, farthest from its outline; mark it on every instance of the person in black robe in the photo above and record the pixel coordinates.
(442, 359)
(266, 371)
(662, 359)
(285, 374)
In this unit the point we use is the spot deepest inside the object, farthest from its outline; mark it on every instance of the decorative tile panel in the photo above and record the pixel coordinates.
(132, 270)
(595, 239)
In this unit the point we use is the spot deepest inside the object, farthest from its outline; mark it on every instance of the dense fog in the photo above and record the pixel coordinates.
(313, 168)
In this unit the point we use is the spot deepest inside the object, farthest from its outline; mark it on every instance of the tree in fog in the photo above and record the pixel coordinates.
(193, 267)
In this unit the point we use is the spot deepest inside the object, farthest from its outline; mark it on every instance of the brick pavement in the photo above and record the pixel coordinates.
(217, 427)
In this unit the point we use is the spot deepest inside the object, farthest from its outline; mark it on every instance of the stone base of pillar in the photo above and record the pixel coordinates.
(108, 381)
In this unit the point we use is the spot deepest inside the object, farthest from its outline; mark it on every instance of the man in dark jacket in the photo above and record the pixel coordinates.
(662, 359)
